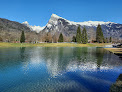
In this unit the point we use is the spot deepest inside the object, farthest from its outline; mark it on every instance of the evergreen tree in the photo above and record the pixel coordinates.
(60, 38)
(78, 35)
(1, 39)
(84, 36)
(110, 39)
(73, 39)
(106, 40)
(99, 34)
(22, 39)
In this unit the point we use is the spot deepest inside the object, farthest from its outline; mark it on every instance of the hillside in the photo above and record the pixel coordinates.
(11, 31)
(58, 25)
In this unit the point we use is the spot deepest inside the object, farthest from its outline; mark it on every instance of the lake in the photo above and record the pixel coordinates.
(58, 69)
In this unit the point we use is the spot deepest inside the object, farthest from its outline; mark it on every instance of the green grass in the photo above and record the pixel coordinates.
(3, 44)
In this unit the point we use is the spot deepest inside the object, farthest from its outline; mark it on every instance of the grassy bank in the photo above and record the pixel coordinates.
(52, 45)
(115, 50)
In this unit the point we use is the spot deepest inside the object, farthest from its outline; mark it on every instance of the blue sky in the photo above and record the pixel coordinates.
(38, 12)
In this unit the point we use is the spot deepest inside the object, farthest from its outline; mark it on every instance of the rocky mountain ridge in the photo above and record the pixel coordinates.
(33, 28)
(11, 30)
(68, 28)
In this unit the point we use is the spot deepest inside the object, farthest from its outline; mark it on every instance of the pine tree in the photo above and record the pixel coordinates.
(99, 34)
(84, 36)
(22, 39)
(1, 39)
(106, 40)
(110, 39)
(78, 35)
(60, 38)
(73, 39)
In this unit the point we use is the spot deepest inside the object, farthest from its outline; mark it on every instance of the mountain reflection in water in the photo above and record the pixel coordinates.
(62, 69)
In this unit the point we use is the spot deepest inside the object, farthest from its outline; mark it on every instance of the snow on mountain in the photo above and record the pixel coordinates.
(26, 23)
(33, 28)
(57, 24)
(37, 28)
(54, 18)
(91, 23)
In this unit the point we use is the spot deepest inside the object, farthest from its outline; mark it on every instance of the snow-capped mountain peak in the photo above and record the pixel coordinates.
(33, 28)
(54, 18)
(25, 22)
(37, 28)
(57, 24)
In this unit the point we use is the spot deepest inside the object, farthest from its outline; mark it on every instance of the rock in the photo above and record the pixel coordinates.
(117, 86)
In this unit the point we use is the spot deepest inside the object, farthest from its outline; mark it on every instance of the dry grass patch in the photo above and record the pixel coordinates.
(115, 50)
(3, 44)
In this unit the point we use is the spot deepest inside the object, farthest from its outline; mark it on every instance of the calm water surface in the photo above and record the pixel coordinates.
(61, 69)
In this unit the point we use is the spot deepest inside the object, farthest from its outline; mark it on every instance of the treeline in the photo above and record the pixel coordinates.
(100, 37)
(48, 38)
(80, 37)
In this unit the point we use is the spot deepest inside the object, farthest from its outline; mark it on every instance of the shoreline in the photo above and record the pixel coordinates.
(110, 49)
(3, 44)
(117, 51)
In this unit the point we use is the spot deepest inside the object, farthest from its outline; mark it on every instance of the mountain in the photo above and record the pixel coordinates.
(33, 28)
(8, 25)
(10, 31)
(57, 24)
